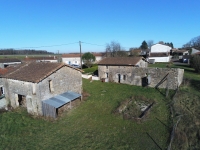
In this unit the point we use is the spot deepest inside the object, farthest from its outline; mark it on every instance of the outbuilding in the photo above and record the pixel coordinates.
(40, 86)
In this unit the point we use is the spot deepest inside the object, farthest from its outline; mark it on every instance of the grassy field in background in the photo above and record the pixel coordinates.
(92, 125)
(24, 56)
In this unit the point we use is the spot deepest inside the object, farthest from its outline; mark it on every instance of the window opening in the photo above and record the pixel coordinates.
(124, 77)
(1, 91)
(106, 75)
(51, 86)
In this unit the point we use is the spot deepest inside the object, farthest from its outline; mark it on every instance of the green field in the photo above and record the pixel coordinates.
(92, 125)
(24, 56)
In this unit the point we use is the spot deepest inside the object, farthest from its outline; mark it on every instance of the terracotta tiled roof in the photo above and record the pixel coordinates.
(39, 58)
(8, 69)
(34, 72)
(180, 51)
(78, 55)
(198, 53)
(71, 55)
(130, 61)
(8, 60)
(159, 54)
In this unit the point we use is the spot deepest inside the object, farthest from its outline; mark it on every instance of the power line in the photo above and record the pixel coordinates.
(100, 45)
(92, 44)
(46, 46)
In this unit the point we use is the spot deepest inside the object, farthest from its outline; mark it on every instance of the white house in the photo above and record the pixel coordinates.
(160, 48)
(195, 50)
(74, 58)
(160, 53)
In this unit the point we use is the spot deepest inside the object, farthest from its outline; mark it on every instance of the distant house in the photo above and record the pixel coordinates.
(42, 88)
(111, 68)
(180, 52)
(159, 53)
(74, 58)
(195, 50)
(5, 62)
(160, 48)
(41, 59)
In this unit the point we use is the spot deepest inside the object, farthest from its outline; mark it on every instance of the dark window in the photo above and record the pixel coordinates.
(124, 77)
(51, 86)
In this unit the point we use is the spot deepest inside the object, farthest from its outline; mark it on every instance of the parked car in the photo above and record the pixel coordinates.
(75, 66)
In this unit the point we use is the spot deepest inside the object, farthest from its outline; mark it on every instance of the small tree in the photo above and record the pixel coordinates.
(88, 59)
(144, 45)
(195, 63)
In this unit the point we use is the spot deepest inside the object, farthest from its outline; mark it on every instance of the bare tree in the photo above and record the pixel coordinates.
(194, 42)
(114, 49)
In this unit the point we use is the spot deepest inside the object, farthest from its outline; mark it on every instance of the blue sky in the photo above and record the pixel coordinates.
(36, 23)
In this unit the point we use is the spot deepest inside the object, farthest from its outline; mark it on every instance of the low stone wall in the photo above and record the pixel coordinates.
(139, 76)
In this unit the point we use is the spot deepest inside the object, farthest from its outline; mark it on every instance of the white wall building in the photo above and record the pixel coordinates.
(160, 48)
(160, 53)
(75, 58)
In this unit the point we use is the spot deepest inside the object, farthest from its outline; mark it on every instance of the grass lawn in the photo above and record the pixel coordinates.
(91, 70)
(92, 125)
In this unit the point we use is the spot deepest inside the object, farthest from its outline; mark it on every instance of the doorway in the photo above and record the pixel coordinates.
(119, 78)
(22, 100)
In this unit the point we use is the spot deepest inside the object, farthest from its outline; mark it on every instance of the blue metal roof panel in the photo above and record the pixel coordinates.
(61, 99)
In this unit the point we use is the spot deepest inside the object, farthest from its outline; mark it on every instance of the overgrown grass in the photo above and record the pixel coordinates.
(186, 105)
(92, 125)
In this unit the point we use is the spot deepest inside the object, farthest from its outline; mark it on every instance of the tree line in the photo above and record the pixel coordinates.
(22, 52)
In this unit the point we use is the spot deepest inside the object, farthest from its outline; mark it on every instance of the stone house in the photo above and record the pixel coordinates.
(35, 84)
(107, 64)
(124, 70)
(5, 62)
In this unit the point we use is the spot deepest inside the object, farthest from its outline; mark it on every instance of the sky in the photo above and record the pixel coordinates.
(59, 25)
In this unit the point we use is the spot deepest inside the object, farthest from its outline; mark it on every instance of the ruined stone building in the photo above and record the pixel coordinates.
(35, 84)
(5, 62)
(134, 71)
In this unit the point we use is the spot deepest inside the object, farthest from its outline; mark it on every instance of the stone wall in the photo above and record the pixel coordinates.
(63, 80)
(138, 76)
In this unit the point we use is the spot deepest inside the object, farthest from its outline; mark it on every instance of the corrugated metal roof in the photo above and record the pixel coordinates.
(61, 99)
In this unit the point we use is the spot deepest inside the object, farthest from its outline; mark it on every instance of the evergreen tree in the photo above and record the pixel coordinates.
(171, 45)
(144, 45)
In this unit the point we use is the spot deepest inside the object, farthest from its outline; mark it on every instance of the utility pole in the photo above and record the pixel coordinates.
(58, 57)
(80, 54)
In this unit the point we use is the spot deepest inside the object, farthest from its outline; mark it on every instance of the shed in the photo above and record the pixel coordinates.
(50, 106)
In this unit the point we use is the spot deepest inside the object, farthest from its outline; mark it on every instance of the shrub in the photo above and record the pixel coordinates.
(195, 63)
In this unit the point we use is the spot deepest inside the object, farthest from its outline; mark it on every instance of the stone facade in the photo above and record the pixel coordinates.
(60, 81)
(142, 76)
